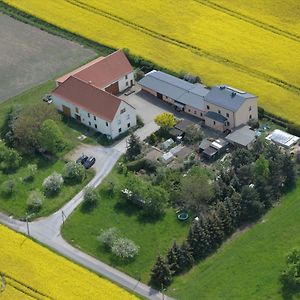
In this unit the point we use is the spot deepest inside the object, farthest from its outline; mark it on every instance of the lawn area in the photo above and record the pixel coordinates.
(16, 204)
(247, 266)
(82, 228)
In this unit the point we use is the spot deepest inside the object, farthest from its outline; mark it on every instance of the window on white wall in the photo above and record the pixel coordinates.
(89, 115)
(106, 123)
(126, 76)
(122, 110)
(126, 83)
(128, 125)
(95, 118)
(119, 122)
(128, 117)
(227, 115)
(120, 129)
(96, 126)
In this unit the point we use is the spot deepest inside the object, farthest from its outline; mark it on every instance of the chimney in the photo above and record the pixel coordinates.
(233, 94)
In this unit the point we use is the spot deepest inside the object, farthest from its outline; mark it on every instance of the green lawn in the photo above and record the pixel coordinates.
(248, 266)
(16, 205)
(82, 228)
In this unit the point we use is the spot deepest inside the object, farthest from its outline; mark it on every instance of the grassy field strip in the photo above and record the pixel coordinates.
(25, 289)
(198, 51)
(250, 20)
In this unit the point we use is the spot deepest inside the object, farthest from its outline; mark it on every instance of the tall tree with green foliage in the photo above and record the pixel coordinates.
(185, 257)
(193, 134)
(241, 157)
(50, 137)
(290, 277)
(161, 275)
(134, 146)
(172, 258)
(225, 218)
(261, 167)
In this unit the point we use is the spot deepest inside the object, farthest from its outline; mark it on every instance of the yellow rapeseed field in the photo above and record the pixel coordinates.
(32, 271)
(221, 45)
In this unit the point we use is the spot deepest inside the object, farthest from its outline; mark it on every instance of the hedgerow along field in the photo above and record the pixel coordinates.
(248, 266)
(222, 47)
(34, 272)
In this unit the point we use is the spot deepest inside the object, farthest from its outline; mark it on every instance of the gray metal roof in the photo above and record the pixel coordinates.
(242, 136)
(165, 84)
(194, 97)
(215, 116)
(227, 97)
(175, 88)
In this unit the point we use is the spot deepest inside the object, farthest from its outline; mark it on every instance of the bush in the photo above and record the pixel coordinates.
(8, 187)
(73, 172)
(108, 237)
(148, 165)
(138, 75)
(35, 201)
(10, 159)
(31, 172)
(294, 129)
(124, 248)
(52, 184)
(90, 197)
(139, 121)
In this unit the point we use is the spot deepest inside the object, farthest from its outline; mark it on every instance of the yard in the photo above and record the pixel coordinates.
(16, 204)
(153, 237)
(249, 264)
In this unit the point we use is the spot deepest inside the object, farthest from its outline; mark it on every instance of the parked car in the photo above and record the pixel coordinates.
(48, 98)
(89, 162)
(82, 159)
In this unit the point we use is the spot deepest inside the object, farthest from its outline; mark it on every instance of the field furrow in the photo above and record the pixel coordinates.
(201, 52)
(251, 20)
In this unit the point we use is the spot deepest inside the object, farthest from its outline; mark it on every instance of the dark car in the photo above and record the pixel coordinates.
(89, 162)
(48, 98)
(82, 159)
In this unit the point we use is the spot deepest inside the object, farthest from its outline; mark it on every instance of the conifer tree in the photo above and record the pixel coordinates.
(185, 257)
(225, 218)
(215, 231)
(172, 258)
(161, 274)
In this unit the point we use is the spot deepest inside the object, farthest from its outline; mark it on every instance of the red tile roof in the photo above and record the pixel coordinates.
(102, 71)
(100, 103)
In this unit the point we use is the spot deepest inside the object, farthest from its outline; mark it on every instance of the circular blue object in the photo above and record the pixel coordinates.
(183, 216)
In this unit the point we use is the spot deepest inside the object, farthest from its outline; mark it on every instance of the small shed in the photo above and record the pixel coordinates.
(166, 144)
(210, 153)
(205, 143)
(167, 157)
(243, 136)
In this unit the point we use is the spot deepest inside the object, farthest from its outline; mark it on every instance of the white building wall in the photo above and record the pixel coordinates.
(125, 83)
(122, 120)
(87, 118)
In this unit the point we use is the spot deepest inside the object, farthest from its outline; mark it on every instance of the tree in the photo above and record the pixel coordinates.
(215, 230)
(165, 120)
(156, 199)
(288, 170)
(193, 134)
(8, 187)
(73, 172)
(172, 258)
(31, 172)
(290, 277)
(52, 184)
(108, 237)
(50, 137)
(26, 128)
(90, 197)
(241, 157)
(125, 248)
(196, 191)
(185, 257)
(10, 159)
(225, 218)
(244, 175)
(252, 208)
(199, 239)
(234, 206)
(134, 146)
(261, 167)
(35, 201)
(161, 275)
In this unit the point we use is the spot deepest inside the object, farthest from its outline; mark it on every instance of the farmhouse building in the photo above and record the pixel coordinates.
(93, 107)
(88, 94)
(221, 107)
(112, 73)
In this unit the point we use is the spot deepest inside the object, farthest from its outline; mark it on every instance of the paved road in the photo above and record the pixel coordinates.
(47, 230)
